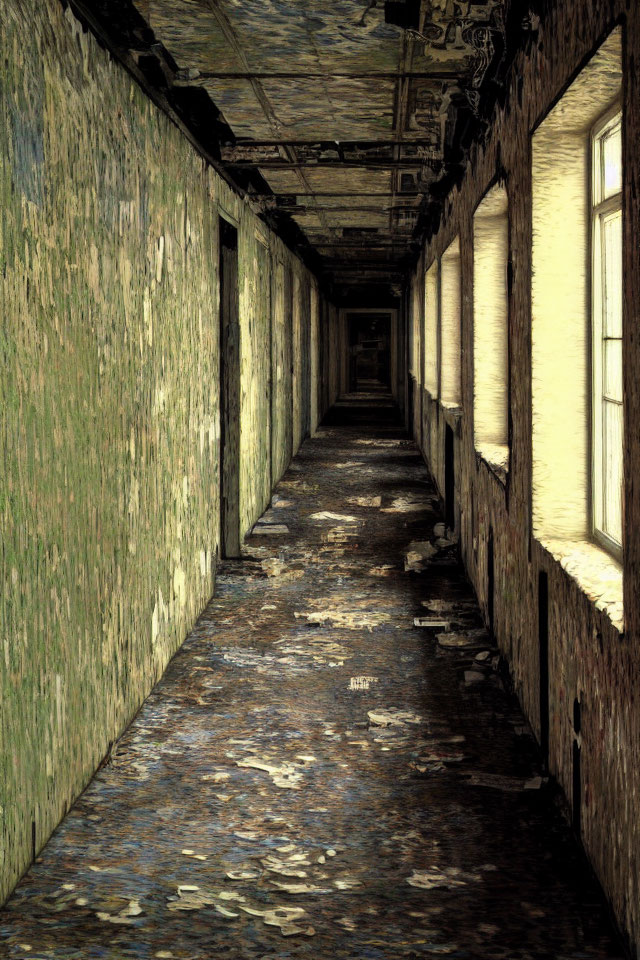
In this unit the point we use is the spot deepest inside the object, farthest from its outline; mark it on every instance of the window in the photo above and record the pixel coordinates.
(416, 347)
(606, 246)
(576, 310)
(450, 303)
(576, 307)
(431, 331)
(490, 327)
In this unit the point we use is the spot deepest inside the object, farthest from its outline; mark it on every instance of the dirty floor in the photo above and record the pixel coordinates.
(316, 776)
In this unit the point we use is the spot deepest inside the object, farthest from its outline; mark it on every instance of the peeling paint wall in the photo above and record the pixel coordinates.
(109, 404)
(593, 667)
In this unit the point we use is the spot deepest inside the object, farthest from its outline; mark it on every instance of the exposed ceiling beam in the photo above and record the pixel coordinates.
(368, 163)
(299, 209)
(194, 77)
(362, 143)
(317, 193)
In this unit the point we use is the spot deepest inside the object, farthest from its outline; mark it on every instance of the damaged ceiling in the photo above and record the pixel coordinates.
(347, 121)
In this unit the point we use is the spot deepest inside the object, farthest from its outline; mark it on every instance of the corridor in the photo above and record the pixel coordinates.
(315, 776)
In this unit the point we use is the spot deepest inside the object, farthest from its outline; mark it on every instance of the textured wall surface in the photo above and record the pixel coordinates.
(109, 420)
(591, 662)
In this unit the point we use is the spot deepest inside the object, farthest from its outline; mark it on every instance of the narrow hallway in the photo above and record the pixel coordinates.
(315, 776)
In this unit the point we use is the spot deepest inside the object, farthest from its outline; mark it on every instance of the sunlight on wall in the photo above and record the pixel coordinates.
(561, 334)
(415, 325)
(431, 316)
(450, 301)
(490, 351)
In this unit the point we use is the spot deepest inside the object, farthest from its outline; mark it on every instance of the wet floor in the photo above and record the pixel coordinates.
(316, 776)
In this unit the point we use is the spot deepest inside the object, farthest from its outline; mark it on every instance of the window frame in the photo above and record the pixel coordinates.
(600, 208)
(432, 365)
(493, 450)
(451, 371)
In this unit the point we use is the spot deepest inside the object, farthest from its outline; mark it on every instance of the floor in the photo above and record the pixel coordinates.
(316, 776)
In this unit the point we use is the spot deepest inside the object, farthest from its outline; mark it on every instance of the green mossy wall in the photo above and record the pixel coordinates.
(109, 422)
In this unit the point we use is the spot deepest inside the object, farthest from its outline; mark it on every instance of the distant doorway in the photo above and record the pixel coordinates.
(369, 352)
(229, 392)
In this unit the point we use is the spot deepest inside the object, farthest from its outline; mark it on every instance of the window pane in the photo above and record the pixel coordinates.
(612, 369)
(612, 450)
(612, 162)
(612, 273)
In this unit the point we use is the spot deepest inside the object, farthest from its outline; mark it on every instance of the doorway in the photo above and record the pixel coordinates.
(449, 479)
(369, 352)
(229, 392)
(490, 582)
(543, 663)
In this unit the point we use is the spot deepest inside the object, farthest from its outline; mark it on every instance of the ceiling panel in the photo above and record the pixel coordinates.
(332, 109)
(351, 121)
(322, 35)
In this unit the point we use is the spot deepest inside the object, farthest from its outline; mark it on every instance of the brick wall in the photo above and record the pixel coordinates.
(590, 660)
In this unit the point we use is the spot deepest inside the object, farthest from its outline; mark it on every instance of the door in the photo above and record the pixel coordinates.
(229, 392)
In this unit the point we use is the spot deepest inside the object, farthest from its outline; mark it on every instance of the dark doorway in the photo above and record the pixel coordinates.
(449, 479)
(577, 777)
(543, 662)
(576, 808)
(490, 581)
(229, 392)
(369, 351)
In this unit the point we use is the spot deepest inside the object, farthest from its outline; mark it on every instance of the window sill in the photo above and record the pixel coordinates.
(496, 457)
(452, 412)
(597, 573)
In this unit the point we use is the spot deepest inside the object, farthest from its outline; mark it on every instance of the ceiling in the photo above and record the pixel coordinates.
(346, 120)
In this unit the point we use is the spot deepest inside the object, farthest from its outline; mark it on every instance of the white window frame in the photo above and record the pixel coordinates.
(601, 208)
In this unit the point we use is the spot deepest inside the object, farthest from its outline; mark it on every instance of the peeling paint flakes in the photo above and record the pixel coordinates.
(339, 517)
(409, 504)
(270, 529)
(361, 683)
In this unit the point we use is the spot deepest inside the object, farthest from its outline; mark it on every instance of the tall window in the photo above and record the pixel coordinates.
(431, 331)
(576, 310)
(450, 297)
(414, 306)
(606, 239)
(490, 327)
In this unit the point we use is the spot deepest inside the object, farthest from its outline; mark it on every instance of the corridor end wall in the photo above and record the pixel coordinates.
(109, 405)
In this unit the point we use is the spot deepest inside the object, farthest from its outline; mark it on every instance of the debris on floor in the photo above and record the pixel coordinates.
(361, 683)
(365, 501)
(270, 529)
(432, 623)
(417, 555)
(328, 515)
(313, 778)
(273, 567)
(410, 504)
